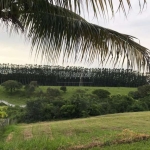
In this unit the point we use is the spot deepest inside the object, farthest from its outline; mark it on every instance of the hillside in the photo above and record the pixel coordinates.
(19, 99)
(110, 132)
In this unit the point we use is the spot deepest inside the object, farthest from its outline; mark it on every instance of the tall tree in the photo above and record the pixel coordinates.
(55, 27)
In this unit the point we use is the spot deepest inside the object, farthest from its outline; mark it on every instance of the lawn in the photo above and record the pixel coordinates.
(19, 99)
(108, 132)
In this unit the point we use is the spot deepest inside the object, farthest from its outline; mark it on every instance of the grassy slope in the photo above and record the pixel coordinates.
(19, 99)
(15, 98)
(110, 130)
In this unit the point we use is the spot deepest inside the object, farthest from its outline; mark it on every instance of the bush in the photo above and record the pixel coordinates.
(52, 92)
(38, 110)
(81, 104)
(134, 94)
(79, 91)
(16, 113)
(146, 100)
(138, 106)
(63, 88)
(67, 111)
(94, 110)
(3, 113)
(34, 83)
(144, 90)
(29, 89)
(101, 93)
(43, 109)
(120, 103)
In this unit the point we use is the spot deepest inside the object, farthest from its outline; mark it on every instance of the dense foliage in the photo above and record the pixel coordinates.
(142, 91)
(71, 76)
(81, 106)
(11, 85)
(3, 113)
(50, 105)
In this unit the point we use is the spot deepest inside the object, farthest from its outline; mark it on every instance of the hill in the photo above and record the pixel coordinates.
(110, 132)
(18, 98)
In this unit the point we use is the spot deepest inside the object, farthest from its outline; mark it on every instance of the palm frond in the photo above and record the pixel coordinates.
(62, 31)
(55, 29)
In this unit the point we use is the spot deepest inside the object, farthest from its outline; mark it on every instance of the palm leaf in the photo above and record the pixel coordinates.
(61, 29)
(54, 30)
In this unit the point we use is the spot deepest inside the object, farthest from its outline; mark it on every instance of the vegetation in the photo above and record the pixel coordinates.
(70, 76)
(30, 88)
(101, 93)
(20, 97)
(50, 105)
(108, 132)
(80, 105)
(63, 31)
(142, 91)
(11, 85)
(63, 88)
(3, 113)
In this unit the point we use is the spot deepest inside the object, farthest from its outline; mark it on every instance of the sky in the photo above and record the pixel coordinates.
(14, 49)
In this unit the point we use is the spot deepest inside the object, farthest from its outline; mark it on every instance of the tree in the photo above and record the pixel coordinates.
(30, 88)
(11, 85)
(55, 27)
(34, 83)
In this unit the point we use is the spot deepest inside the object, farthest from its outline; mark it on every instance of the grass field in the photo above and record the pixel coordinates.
(19, 99)
(127, 131)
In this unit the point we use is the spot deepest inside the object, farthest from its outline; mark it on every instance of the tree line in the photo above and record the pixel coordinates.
(71, 76)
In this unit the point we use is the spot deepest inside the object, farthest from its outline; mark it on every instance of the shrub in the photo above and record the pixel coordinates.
(40, 94)
(120, 103)
(43, 109)
(52, 92)
(67, 111)
(79, 91)
(134, 94)
(138, 106)
(3, 113)
(101, 93)
(29, 89)
(34, 83)
(146, 100)
(81, 104)
(144, 90)
(63, 88)
(94, 110)
(16, 114)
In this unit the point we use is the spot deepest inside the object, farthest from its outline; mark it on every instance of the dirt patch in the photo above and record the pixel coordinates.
(46, 129)
(9, 137)
(129, 136)
(126, 136)
(88, 146)
(27, 133)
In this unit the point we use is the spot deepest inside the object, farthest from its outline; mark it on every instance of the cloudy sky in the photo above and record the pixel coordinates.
(14, 49)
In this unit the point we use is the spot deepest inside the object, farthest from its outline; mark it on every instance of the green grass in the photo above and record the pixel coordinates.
(16, 98)
(19, 99)
(109, 132)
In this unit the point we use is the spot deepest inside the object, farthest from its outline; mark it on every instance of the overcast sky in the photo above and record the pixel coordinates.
(14, 49)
